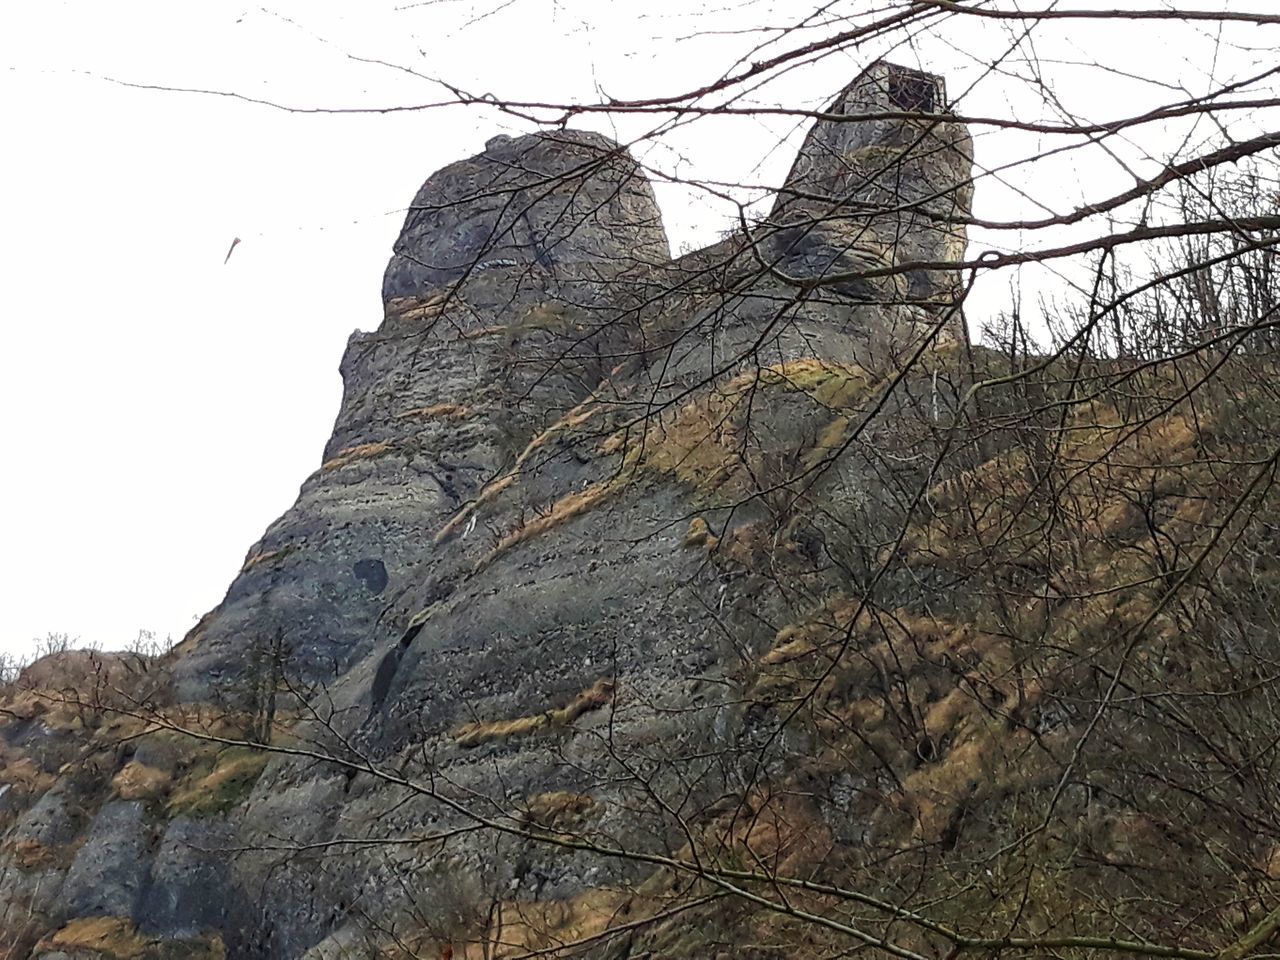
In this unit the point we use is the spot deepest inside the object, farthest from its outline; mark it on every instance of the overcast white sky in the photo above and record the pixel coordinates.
(160, 408)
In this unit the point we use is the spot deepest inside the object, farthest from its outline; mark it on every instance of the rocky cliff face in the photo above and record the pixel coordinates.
(505, 305)
(613, 562)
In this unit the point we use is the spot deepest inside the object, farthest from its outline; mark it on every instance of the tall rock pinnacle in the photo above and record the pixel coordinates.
(884, 179)
(503, 310)
(563, 204)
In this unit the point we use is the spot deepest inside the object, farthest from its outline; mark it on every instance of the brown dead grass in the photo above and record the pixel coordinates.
(116, 938)
(781, 829)
(437, 411)
(30, 854)
(576, 417)
(21, 772)
(517, 928)
(61, 712)
(1101, 474)
(266, 556)
(82, 670)
(137, 781)
(235, 770)
(405, 310)
(350, 455)
(524, 927)
(703, 442)
(1100, 581)
(562, 511)
(700, 535)
(941, 702)
(1270, 864)
(558, 809)
(837, 386)
(541, 316)
(833, 666)
(699, 444)
(188, 644)
(598, 695)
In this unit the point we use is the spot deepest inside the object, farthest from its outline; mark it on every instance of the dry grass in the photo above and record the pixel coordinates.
(705, 442)
(82, 670)
(407, 310)
(834, 665)
(188, 644)
(438, 411)
(949, 705)
(541, 316)
(201, 794)
(783, 830)
(30, 854)
(700, 535)
(562, 511)
(21, 772)
(829, 441)
(570, 421)
(997, 512)
(837, 386)
(266, 556)
(350, 455)
(551, 928)
(559, 809)
(596, 696)
(137, 781)
(700, 443)
(116, 938)
(551, 925)
(1270, 864)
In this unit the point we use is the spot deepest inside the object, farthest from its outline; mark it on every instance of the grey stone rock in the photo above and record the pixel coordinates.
(549, 202)
(191, 887)
(49, 750)
(867, 195)
(441, 398)
(110, 869)
(50, 821)
(34, 858)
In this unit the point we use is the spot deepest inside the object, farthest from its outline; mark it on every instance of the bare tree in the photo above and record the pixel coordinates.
(909, 641)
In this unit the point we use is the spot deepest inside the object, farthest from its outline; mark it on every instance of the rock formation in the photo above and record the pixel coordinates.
(589, 520)
(879, 191)
(502, 304)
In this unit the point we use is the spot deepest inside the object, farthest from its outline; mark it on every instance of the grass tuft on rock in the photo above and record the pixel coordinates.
(116, 938)
(207, 792)
(350, 455)
(593, 698)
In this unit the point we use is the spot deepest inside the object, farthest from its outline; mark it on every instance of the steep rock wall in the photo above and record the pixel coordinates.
(549, 527)
(507, 302)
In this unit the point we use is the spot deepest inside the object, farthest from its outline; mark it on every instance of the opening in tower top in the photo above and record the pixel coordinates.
(915, 92)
